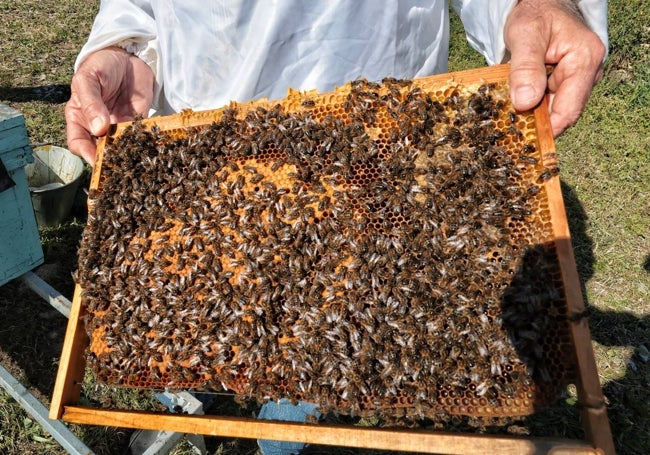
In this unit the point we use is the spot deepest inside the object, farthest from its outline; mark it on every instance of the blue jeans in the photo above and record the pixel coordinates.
(284, 410)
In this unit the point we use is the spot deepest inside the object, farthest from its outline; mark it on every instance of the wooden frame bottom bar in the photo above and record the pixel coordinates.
(337, 435)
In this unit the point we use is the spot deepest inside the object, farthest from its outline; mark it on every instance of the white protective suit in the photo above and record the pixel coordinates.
(205, 53)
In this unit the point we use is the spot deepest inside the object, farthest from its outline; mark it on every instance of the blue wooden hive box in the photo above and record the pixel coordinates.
(20, 245)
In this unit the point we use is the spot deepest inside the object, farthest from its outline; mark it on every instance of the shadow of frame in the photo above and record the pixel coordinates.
(50, 93)
(627, 397)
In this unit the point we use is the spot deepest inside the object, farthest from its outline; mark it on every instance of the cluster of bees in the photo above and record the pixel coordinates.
(385, 251)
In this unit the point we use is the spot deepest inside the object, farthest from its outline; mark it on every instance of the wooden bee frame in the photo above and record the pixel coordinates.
(598, 435)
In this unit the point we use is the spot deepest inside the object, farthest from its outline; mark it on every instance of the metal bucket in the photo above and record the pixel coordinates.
(53, 180)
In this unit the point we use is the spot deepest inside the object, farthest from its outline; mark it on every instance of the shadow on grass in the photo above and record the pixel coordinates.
(51, 93)
(629, 396)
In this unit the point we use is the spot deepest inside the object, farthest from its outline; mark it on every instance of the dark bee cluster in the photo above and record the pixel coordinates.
(387, 251)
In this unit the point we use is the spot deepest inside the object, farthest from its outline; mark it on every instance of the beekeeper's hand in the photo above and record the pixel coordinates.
(553, 32)
(110, 86)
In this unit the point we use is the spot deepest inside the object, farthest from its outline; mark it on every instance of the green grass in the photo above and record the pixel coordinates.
(605, 170)
(19, 431)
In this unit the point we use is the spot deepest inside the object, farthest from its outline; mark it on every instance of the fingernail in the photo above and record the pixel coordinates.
(524, 95)
(96, 126)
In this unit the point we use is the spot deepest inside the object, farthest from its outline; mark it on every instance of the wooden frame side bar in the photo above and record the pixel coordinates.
(67, 388)
(590, 394)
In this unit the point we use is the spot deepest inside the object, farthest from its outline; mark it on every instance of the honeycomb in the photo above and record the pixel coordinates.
(385, 249)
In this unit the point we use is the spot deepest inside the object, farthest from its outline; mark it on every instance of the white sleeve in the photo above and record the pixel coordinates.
(128, 24)
(595, 14)
(484, 22)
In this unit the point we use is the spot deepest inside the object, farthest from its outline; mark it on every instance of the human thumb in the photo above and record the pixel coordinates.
(98, 126)
(524, 95)
(527, 64)
(87, 98)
